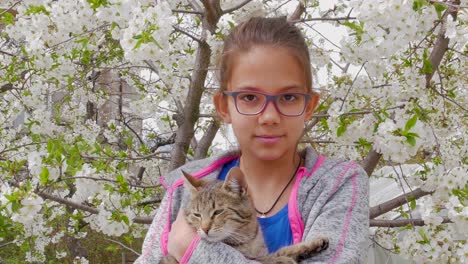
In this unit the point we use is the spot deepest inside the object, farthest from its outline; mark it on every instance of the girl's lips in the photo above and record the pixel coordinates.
(268, 139)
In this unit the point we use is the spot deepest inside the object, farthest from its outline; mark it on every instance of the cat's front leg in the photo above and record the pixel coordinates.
(304, 250)
(311, 248)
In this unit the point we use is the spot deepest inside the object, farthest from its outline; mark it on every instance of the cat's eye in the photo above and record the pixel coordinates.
(218, 212)
(196, 214)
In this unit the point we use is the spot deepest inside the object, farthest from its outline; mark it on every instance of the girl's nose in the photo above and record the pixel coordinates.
(270, 114)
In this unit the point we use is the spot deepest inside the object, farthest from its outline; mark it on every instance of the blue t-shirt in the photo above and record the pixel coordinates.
(276, 228)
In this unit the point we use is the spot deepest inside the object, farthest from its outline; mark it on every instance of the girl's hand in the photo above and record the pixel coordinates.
(180, 236)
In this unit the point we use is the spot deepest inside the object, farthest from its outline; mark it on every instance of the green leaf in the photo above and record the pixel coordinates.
(33, 9)
(44, 176)
(120, 179)
(439, 8)
(427, 64)
(358, 29)
(97, 3)
(340, 131)
(366, 144)
(424, 237)
(231, 25)
(411, 123)
(418, 4)
(7, 18)
(125, 219)
(411, 140)
(112, 248)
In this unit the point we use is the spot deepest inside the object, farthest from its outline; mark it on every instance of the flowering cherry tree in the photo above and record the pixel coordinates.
(99, 98)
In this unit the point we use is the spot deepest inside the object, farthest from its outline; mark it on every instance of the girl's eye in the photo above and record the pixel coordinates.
(248, 97)
(197, 215)
(218, 212)
(288, 97)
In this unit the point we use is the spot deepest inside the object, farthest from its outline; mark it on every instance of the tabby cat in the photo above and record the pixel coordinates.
(223, 212)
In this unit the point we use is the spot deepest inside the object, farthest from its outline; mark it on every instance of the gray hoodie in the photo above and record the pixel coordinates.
(330, 197)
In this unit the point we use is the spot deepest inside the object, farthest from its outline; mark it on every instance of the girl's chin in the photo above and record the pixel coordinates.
(269, 155)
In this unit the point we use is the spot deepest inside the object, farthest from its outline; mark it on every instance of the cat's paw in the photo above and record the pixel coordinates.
(321, 243)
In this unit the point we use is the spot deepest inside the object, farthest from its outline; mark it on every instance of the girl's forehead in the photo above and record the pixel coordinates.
(267, 69)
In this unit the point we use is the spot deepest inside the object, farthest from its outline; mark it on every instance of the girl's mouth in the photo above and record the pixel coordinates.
(268, 139)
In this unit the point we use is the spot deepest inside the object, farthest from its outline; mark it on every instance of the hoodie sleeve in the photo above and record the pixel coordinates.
(152, 250)
(339, 209)
(201, 251)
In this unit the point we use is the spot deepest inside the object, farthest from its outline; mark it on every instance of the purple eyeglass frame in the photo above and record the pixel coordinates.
(269, 97)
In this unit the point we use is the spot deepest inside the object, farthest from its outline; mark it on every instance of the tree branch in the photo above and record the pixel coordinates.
(6, 87)
(296, 15)
(191, 110)
(7, 53)
(234, 8)
(187, 11)
(398, 201)
(10, 9)
(138, 219)
(195, 6)
(402, 222)
(212, 14)
(122, 245)
(442, 42)
(370, 161)
(8, 243)
(323, 19)
(351, 86)
(205, 142)
(187, 34)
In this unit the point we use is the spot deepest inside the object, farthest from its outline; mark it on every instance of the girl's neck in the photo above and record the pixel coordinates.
(269, 182)
(268, 172)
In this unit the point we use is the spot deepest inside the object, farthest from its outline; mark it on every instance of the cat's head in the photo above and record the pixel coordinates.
(217, 209)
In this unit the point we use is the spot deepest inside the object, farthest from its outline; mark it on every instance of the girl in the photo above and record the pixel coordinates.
(266, 95)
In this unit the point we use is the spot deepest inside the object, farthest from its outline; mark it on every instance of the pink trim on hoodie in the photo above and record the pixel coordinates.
(348, 215)
(153, 237)
(295, 219)
(188, 253)
(319, 163)
(167, 227)
(340, 177)
(209, 169)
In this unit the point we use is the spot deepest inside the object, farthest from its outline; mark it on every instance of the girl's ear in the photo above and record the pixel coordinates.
(311, 105)
(221, 103)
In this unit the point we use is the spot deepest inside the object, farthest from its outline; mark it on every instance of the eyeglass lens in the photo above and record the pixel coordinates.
(289, 104)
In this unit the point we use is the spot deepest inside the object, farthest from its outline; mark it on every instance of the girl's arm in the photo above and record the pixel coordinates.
(201, 251)
(341, 213)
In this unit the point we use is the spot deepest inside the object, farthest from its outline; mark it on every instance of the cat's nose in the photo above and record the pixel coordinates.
(206, 227)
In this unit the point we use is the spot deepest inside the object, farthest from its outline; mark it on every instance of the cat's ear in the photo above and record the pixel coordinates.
(235, 182)
(194, 183)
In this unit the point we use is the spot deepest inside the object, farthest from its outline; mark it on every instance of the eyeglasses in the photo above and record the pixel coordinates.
(253, 103)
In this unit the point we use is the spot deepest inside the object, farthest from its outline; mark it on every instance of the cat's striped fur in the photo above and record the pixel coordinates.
(223, 212)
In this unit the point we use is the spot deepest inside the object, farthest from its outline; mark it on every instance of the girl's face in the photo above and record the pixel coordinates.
(268, 135)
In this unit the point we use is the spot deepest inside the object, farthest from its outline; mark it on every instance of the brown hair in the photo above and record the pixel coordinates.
(276, 32)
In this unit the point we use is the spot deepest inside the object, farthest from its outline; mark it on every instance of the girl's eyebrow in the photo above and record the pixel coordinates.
(255, 89)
